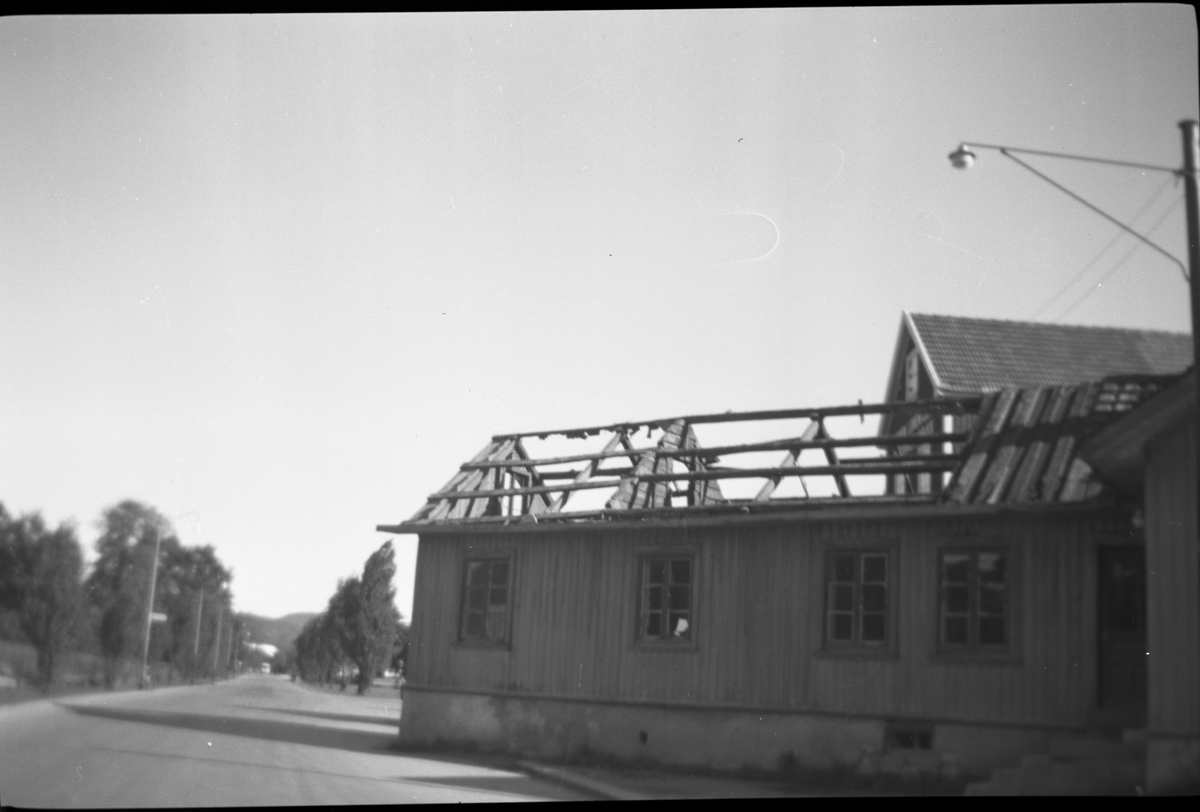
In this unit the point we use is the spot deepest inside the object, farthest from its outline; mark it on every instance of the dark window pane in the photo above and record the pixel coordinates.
(654, 624)
(500, 573)
(874, 568)
(680, 596)
(991, 599)
(843, 568)
(956, 567)
(499, 597)
(991, 568)
(656, 569)
(474, 626)
(681, 572)
(843, 597)
(957, 599)
(496, 625)
(955, 630)
(654, 597)
(843, 627)
(477, 573)
(874, 628)
(991, 630)
(874, 598)
(475, 600)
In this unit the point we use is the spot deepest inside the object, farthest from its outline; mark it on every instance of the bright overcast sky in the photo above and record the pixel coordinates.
(279, 276)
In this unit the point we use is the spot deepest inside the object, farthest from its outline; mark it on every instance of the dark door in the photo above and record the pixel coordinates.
(1122, 615)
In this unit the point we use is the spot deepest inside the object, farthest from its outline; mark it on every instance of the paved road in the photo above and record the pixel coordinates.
(256, 740)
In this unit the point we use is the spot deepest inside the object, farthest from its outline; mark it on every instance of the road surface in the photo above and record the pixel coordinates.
(255, 740)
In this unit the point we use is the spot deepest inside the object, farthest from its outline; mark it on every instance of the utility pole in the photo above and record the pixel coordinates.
(149, 610)
(1191, 160)
(196, 642)
(217, 647)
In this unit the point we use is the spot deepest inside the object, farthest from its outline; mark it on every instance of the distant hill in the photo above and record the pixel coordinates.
(277, 631)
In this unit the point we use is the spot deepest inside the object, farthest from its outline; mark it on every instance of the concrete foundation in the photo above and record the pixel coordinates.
(1172, 766)
(717, 739)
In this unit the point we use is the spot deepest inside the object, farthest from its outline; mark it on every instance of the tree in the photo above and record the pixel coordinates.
(318, 652)
(399, 658)
(53, 598)
(365, 615)
(42, 582)
(120, 578)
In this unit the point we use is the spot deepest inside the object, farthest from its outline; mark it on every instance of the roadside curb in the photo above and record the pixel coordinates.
(564, 776)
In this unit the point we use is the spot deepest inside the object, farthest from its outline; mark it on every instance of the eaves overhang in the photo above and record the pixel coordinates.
(1118, 452)
(894, 511)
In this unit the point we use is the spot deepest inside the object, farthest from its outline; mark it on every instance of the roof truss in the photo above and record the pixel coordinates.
(503, 483)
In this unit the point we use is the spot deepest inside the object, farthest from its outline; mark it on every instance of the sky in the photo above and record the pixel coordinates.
(278, 276)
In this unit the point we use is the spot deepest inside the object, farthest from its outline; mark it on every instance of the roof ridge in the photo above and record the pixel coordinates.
(1043, 324)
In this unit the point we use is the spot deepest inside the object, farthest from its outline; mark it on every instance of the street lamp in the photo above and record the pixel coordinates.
(964, 158)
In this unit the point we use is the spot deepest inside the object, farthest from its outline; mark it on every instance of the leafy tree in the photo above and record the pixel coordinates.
(53, 598)
(365, 615)
(318, 652)
(120, 578)
(400, 648)
(42, 581)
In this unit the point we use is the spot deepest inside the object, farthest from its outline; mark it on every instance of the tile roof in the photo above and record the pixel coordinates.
(981, 355)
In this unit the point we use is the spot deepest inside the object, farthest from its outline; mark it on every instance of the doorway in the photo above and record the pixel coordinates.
(1122, 630)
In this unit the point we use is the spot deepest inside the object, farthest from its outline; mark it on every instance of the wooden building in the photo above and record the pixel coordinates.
(1150, 454)
(793, 611)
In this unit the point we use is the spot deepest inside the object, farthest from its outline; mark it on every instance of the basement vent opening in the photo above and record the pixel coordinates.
(910, 737)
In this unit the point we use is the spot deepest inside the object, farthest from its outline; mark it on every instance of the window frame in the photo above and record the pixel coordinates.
(973, 650)
(490, 556)
(665, 642)
(888, 647)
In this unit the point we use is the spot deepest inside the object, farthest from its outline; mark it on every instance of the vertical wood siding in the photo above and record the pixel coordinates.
(1173, 584)
(758, 602)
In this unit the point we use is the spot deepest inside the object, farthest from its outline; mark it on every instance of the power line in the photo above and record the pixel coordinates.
(1098, 211)
(1120, 262)
(1153, 198)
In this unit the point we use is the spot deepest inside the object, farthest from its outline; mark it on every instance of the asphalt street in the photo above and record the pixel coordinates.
(256, 740)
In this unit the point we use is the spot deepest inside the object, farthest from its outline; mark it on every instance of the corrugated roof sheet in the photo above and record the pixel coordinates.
(981, 355)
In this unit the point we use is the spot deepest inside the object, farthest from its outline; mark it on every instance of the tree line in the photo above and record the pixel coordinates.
(360, 632)
(50, 600)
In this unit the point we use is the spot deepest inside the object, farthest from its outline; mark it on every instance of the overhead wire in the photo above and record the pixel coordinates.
(1120, 263)
(1088, 266)
(1098, 211)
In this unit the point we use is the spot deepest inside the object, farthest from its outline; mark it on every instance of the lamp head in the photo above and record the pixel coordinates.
(962, 158)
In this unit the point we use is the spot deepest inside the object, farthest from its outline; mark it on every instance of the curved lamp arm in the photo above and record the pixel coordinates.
(964, 158)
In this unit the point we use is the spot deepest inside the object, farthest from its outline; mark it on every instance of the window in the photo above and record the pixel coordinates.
(973, 612)
(485, 600)
(666, 599)
(856, 608)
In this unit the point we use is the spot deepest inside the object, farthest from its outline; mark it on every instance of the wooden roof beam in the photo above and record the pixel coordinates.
(789, 461)
(966, 404)
(585, 474)
(715, 451)
(880, 466)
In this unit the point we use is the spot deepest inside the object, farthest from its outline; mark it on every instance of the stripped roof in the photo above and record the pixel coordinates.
(1022, 450)
(981, 355)
(1025, 446)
